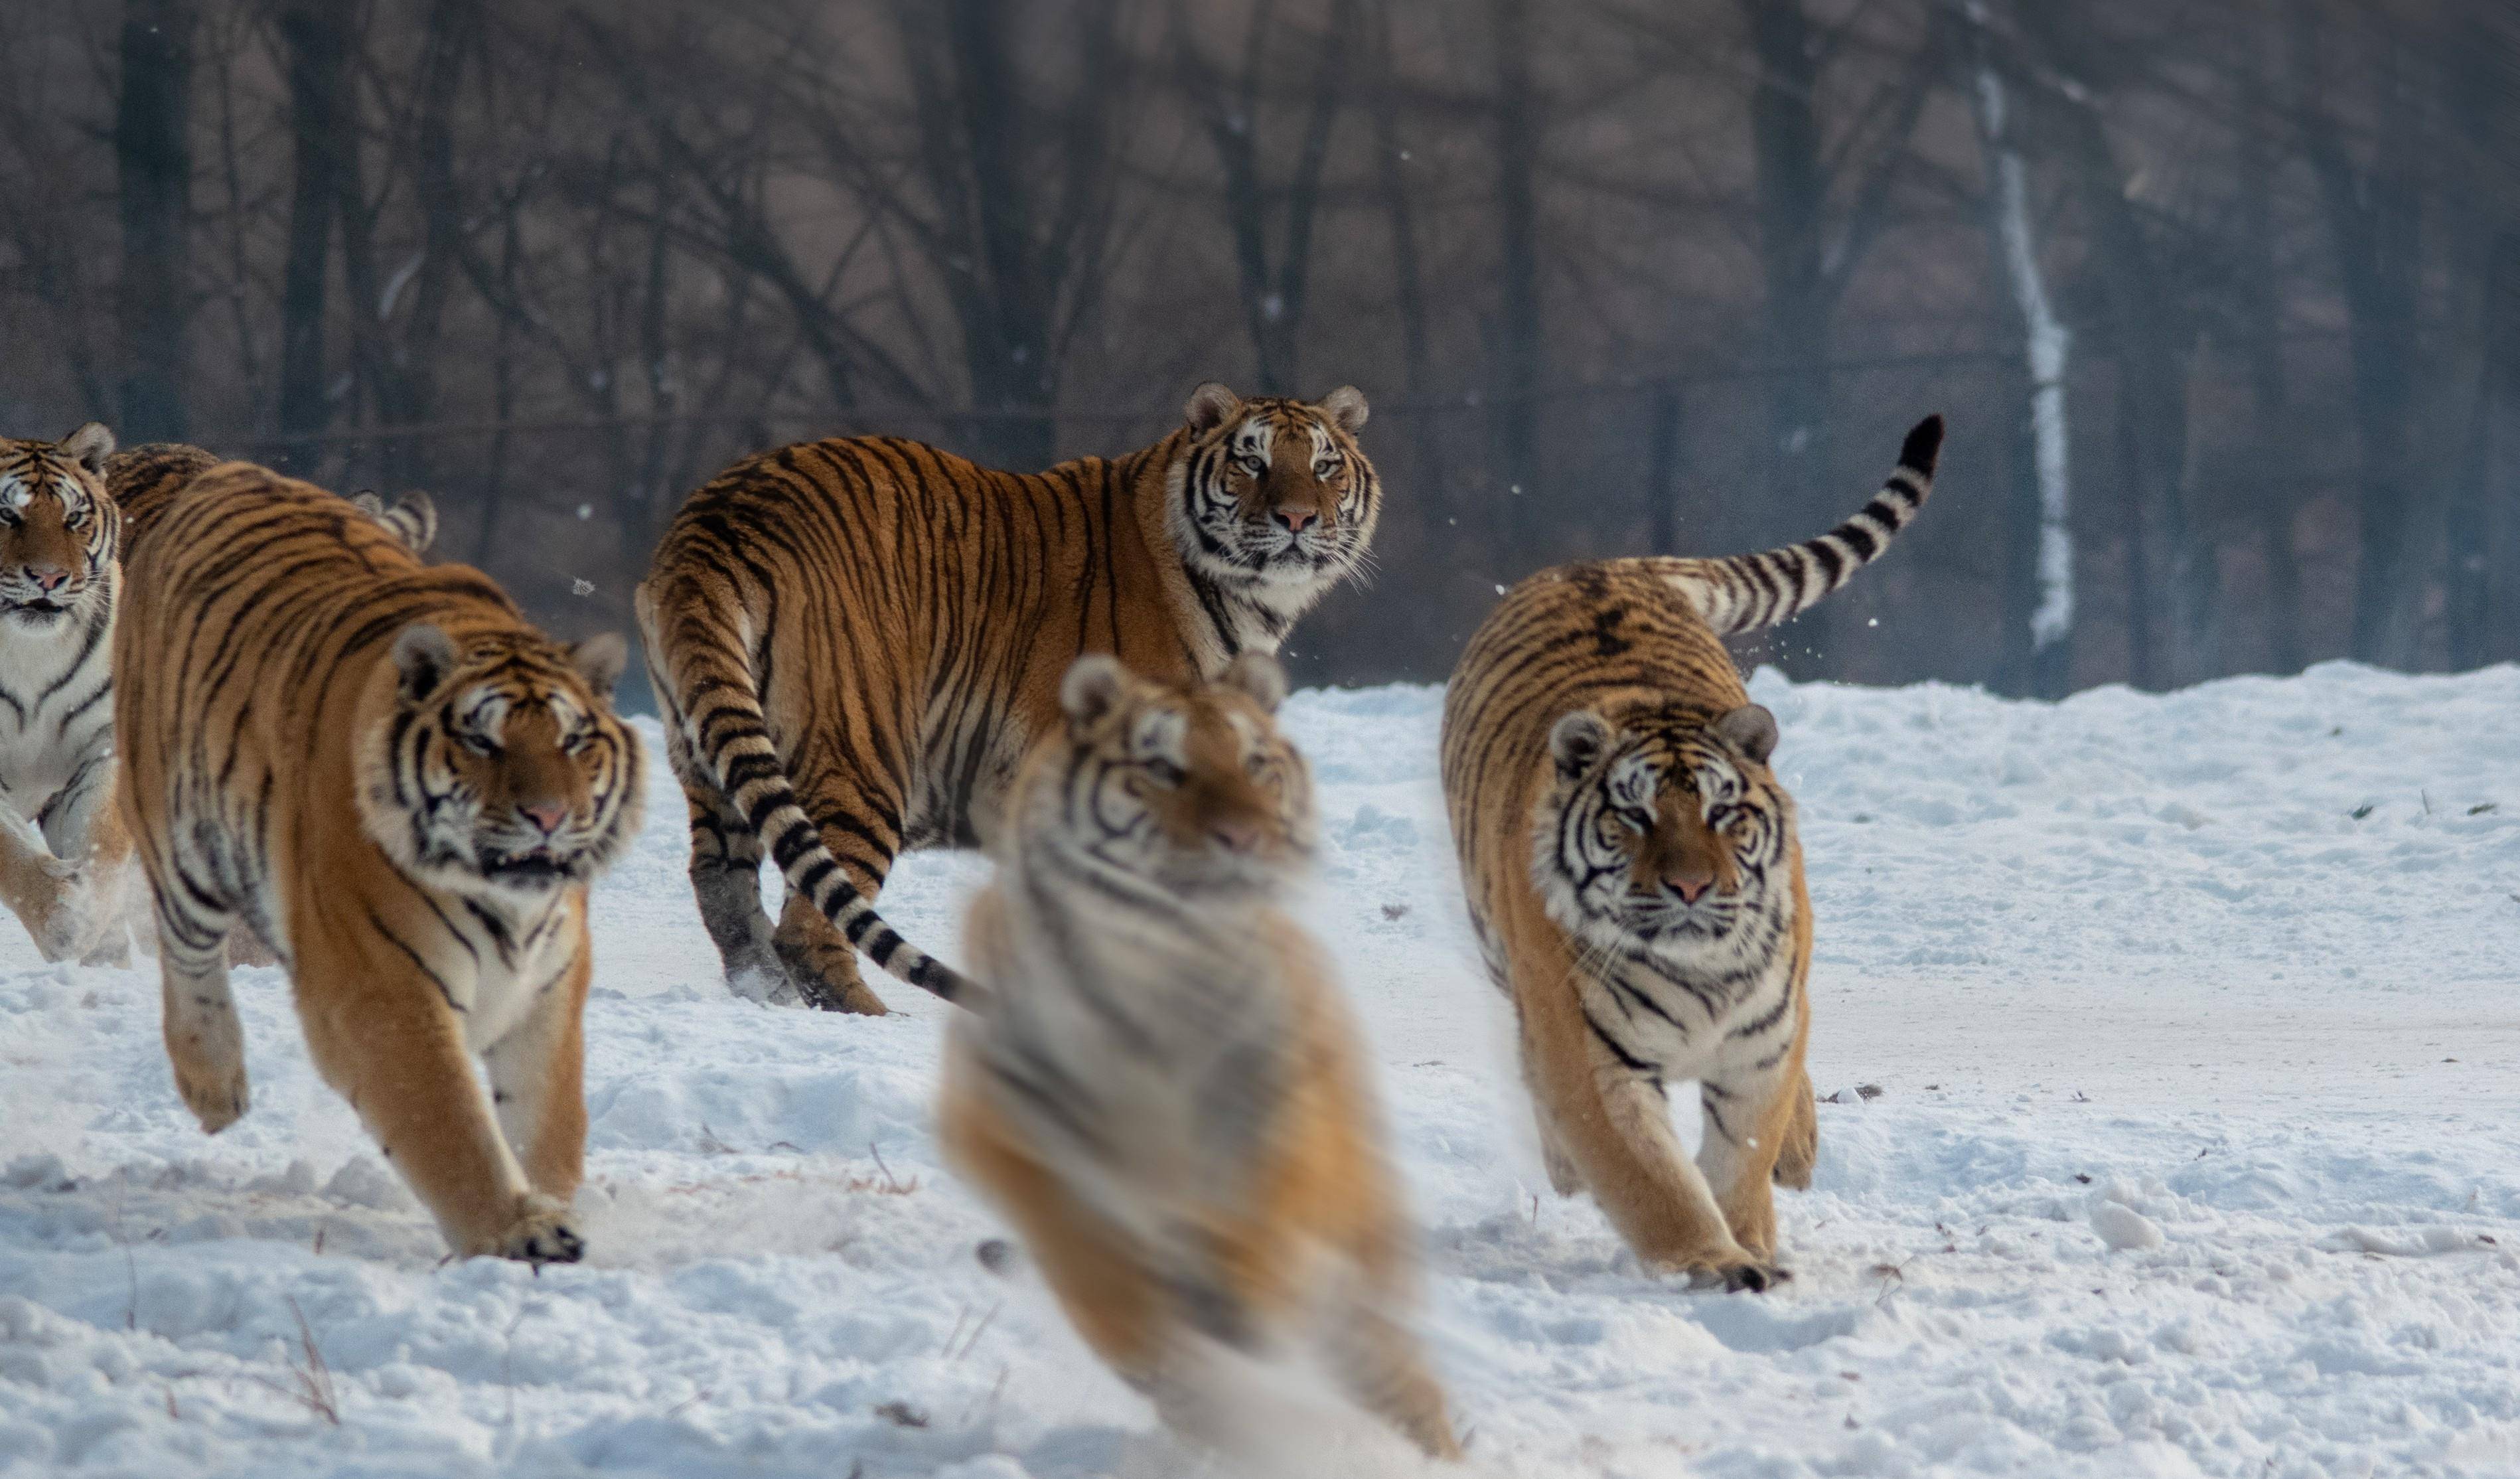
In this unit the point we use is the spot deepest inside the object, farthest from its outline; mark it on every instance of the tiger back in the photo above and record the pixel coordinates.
(855, 642)
(404, 789)
(1636, 882)
(62, 845)
(1161, 1087)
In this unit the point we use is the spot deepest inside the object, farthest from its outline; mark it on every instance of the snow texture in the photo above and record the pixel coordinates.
(2193, 1151)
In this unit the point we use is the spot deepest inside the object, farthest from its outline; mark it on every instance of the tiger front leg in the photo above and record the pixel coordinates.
(43, 891)
(538, 1083)
(1750, 1120)
(1615, 1126)
(386, 1036)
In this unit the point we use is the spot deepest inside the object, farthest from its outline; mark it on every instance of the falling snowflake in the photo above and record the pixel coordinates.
(581, 588)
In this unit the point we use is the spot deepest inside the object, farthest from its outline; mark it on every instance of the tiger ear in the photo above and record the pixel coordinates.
(1346, 406)
(370, 502)
(1576, 743)
(90, 445)
(425, 655)
(599, 660)
(1092, 687)
(1751, 730)
(1259, 675)
(1209, 406)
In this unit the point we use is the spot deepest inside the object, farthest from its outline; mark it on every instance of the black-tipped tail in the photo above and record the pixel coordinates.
(1746, 592)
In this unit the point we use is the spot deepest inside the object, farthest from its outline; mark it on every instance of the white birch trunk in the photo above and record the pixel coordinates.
(2049, 341)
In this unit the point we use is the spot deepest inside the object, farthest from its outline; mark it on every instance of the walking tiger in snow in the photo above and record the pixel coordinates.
(1161, 1087)
(1636, 882)
(403, 790)
(854, 641)
(70, 513)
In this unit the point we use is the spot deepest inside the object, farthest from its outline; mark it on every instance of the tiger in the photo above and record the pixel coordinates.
(853, 643)
(404, 791)
(62, 842)
(1162, 1089)
(144, 479)
(1636, 882)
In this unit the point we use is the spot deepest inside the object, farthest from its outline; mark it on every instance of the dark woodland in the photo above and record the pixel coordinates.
(2222, 296)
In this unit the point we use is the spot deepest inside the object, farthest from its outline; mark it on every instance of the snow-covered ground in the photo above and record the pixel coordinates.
(2197, 1149)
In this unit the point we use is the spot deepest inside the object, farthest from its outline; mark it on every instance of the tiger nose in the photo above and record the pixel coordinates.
(547, 815)
(1238, 836)
(1688, 889)
(1295, 519)
(47, 579)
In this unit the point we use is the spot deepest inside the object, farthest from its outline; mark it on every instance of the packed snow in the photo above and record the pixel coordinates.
(2168, 1045)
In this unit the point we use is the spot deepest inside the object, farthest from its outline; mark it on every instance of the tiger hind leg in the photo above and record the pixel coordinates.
(726, 883)
(821, 962)
(204, 1041)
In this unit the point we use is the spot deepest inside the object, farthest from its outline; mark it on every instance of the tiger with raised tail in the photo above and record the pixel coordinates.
(1636, 882)
(404, 789)
(854, 641)
(1162, 1089)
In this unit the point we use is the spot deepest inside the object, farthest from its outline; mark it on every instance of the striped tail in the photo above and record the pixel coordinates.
(708, 680)
(413, 521)
(1746, 592)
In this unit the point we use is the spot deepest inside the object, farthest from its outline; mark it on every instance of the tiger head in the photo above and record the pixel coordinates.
(1191, 788)
(502, 767)
(60, 534)
(1664, 829)
(1273, 497)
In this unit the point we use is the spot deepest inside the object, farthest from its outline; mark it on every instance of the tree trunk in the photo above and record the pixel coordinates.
(2374, 218)
(1516, 413)
(318, 41)
(453, 27)
(1408, 273)
(154, 166)
(2051, 619)
(1664, 429)
(1795, 300)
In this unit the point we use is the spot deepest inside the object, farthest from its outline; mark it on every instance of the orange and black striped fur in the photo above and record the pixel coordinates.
(145, 479)
(1162, 1088)
(1634, 880)
(404, 791)
(854, 641)
(62, 844)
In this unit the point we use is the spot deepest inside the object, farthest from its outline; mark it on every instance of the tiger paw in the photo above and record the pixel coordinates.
(541, 1236)
(217, 1095)
(1750, 1278)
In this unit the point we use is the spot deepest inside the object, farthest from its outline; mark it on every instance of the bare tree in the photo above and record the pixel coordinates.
(152, 134)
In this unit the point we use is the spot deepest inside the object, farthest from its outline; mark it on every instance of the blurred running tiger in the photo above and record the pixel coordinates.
(405, 791)
(855, 641)
(1162, 1088)
(1636, 882)
(62, 842)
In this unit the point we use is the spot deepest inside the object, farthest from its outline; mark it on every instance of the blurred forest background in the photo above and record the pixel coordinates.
(2223, 297)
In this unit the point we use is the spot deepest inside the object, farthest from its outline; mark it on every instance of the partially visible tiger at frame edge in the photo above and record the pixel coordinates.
(71, 513)
(855, 641)
(1636, 882)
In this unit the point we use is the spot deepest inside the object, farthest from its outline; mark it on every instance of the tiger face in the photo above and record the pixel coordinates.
(1275, 495)
(1192, 787)
(1666, 832)
(503, 767)
(58, 532)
